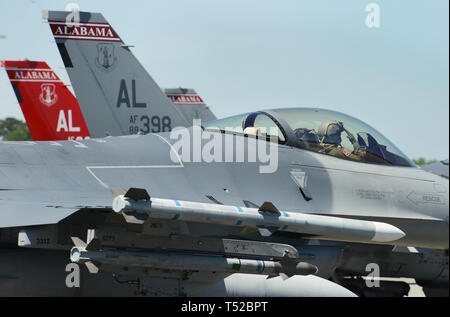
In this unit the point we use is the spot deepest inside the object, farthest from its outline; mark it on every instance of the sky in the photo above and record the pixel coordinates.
(249, 55)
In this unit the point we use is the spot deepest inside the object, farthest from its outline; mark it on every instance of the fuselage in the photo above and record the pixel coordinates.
(41, 172)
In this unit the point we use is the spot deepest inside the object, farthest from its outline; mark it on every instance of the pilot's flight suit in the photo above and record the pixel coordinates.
(338, 150)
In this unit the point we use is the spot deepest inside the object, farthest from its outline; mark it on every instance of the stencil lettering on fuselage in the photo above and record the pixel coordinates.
(424, 198)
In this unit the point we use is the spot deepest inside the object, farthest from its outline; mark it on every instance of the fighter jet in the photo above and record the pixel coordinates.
(72, 48)
(129, 205)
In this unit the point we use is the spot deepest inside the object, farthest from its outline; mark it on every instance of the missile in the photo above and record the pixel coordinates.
(286, 267)
(267, 219)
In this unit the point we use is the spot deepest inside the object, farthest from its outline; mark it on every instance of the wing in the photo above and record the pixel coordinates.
(23, 208)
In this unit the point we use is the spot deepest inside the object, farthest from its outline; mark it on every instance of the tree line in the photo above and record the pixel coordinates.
(12, 129)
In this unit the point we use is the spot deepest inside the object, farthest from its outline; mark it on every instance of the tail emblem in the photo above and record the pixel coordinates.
(48, 95)
(106, 59)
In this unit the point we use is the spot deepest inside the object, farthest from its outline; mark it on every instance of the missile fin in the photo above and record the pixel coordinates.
(270, 208)
(92, 268)
(266, 232)
(117, 191)
(249, 230)
(137, 194)
(249, 204)
(78, 242)
(135, 218)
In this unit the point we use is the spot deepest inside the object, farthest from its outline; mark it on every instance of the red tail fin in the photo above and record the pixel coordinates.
(50, 109)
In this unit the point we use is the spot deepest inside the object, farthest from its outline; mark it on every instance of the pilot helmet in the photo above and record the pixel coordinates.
(307, 135)
(331, 132)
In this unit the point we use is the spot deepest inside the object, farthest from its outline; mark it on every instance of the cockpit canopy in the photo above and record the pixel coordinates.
(322, 131)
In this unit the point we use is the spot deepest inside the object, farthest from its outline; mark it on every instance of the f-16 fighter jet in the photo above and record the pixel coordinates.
(280, 193)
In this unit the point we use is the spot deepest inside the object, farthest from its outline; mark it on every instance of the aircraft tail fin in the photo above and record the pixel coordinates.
(116, 94)
(190, 104)
(50, 109)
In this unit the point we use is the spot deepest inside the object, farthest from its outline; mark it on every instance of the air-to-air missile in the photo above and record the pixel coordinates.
(190, 262)
(267, 219)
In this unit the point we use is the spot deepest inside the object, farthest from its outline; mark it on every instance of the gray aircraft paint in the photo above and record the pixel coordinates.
(116, 94)
(64, 199)
(79, 173)
(45, 182)
(438, 168)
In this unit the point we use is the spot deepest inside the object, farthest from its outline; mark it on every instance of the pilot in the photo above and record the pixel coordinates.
(331, 132)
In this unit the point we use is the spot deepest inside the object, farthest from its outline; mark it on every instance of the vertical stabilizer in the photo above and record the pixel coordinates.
(116, 94)
(50, 109)
(190, 104)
